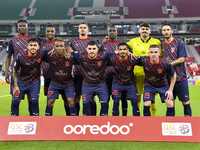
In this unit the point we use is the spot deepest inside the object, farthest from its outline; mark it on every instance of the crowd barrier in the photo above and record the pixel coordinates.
(99, 128)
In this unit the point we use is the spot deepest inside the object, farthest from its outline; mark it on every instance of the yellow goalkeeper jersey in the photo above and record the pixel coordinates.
(140, 47)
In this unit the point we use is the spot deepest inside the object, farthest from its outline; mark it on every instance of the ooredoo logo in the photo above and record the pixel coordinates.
(96, 129)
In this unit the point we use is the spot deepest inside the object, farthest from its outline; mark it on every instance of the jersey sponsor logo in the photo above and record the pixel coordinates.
(96, 129)
(143, 52)
(99, 63)
(39, 60)
(67, 63)
(24, 50)
(172, 49)
(61, 71)
(167, 58)
(153, 78)
(128, 68)
(159, 71)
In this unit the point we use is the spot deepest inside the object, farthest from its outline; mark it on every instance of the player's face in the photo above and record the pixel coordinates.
(33, 47)
(112, 33)
(83, 29)
(167, 32)
(59, 48)
(144, 31)
(22, 27)
(50, 33)
(92, 51)
(154, 54)
(123, 51)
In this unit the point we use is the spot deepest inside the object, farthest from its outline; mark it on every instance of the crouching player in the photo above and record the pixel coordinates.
(28, 82)
(124, 79)
(93, 68)
(156, 69)
(61, 81)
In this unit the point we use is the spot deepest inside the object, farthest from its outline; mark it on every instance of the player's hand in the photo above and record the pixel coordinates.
(7, 78)
(52, 52)
(16, 90)
(17, 35)
(68, 52)
(105, 39)
(169, 95)
(132, 55)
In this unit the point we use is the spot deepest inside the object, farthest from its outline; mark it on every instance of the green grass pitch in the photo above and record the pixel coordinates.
(5, 103)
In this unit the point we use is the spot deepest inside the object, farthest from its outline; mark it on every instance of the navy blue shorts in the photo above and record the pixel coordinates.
(32, 89)
(150, 91)
(118, 88)
(181, 90)
(78, 84)
(55, 90)
(89, 91)
(47, 82)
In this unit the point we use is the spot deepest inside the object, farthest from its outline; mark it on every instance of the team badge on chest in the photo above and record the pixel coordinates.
(67, 63)
(159, 71)
(172, 49)
(39, 60)
(99, 63)
(128, 68)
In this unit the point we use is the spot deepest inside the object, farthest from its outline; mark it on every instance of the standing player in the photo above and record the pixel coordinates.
(174, 50)
(110, 46)
(48, 44)
(156, 70)
(79, 44)
(28, 80)
(61, 80)
(93, 67)
(17, 45)
(124, 79)
(140, 47)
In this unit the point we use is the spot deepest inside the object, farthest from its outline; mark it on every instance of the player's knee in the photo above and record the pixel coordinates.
(77, 98)
(71, 102)
(186, 103)
(139, 99)
(169, 103)
(50, 103)
(147, 103)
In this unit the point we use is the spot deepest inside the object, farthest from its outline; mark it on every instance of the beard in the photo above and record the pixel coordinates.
(168, 36)
(123, 55)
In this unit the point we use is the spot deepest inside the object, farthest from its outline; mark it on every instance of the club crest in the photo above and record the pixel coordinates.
(128, 68)
(172, 49)
(159, 71)
(99, 63)
(67, 63)
(39, 60)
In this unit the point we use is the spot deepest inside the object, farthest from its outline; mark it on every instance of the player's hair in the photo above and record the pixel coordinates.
(122, 44)
(59, 39)
(112, 26)
(92, 43)
(33, 39)
(167, 24)
(145, 24)
(50, 25)
(84, 23)
(22, 21)
(154, 46)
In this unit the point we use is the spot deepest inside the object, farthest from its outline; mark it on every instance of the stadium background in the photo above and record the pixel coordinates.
(126, 15)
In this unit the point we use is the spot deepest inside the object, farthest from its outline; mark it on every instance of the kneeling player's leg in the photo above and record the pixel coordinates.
(34, 90)
(66, 105)
(116, 95)
(30, 105)
(124, 103)
(170, 107)
(132, 94)
(49, 108)
(87, 94)
(147, 98)
(153, 107)
(78, 86)
(70, 94)
(102, 93)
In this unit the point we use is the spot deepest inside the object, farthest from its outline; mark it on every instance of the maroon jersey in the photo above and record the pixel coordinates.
(30, 66)
(172, 51)
(123, 70)
(61, 70)
(109, 47)
(79, 45)
(156, 74)
(93, 69)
